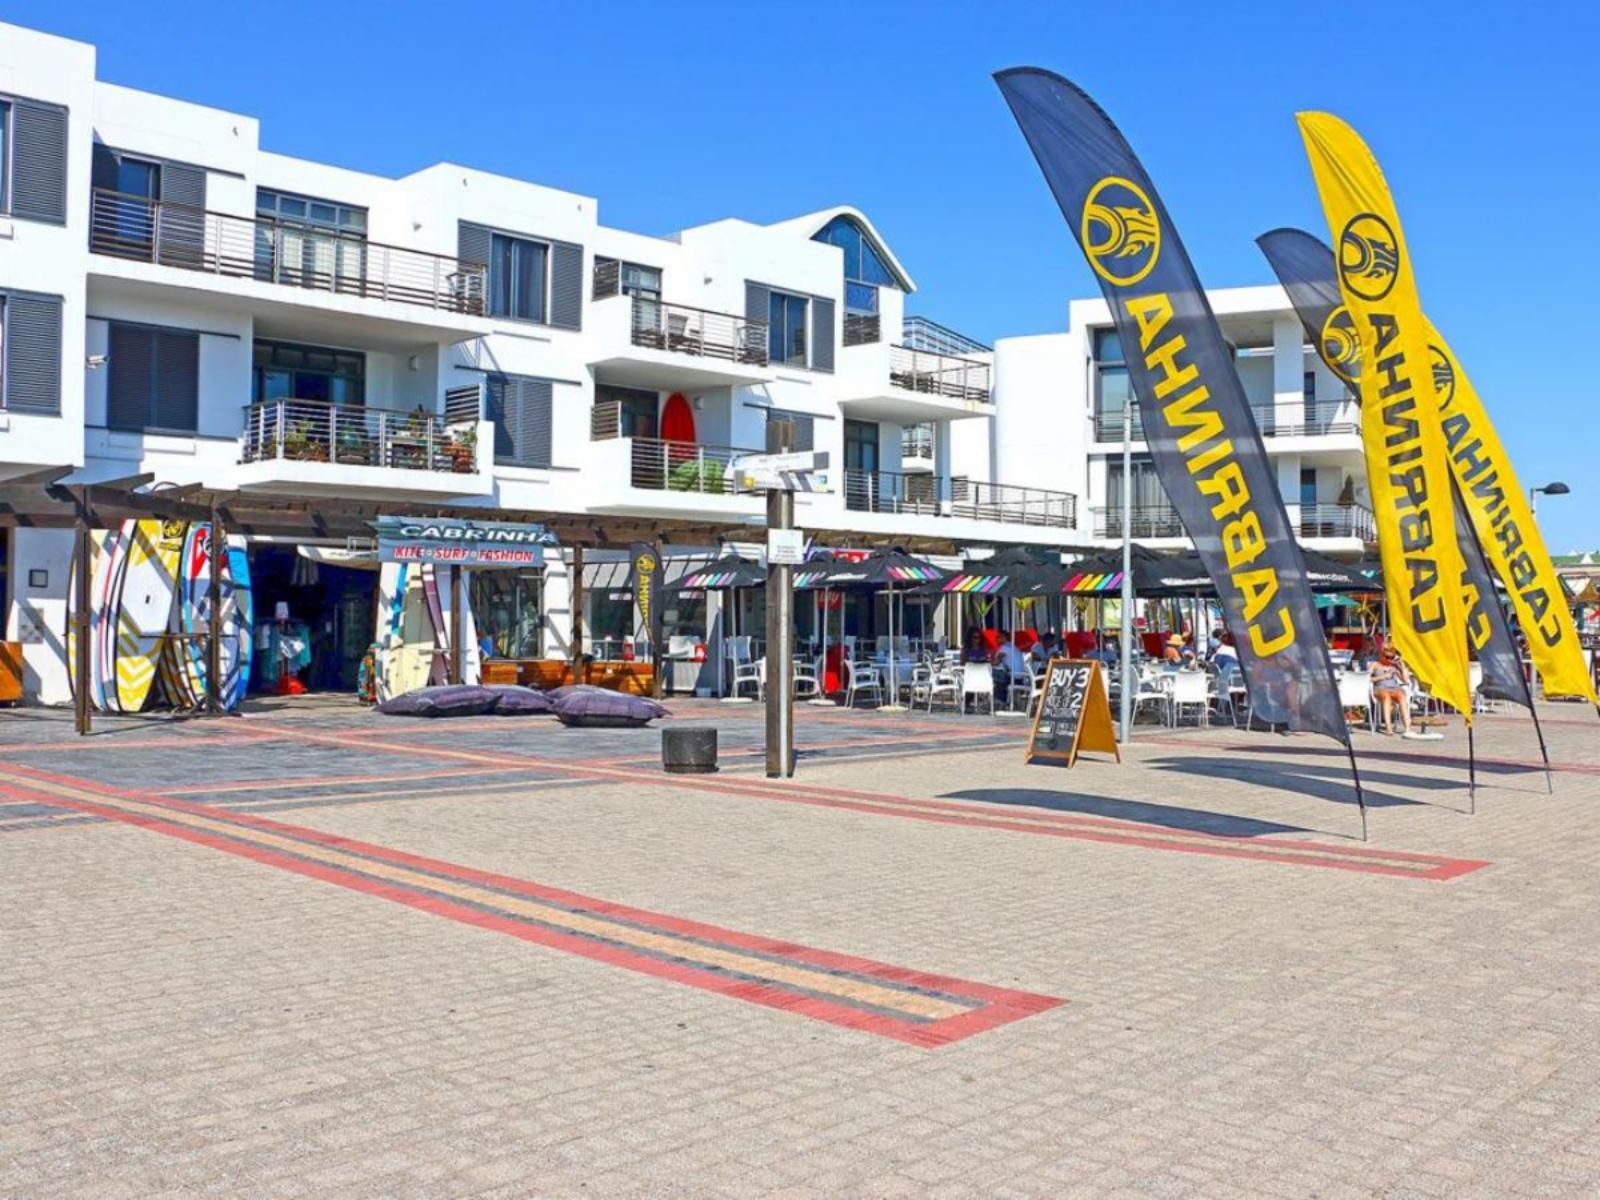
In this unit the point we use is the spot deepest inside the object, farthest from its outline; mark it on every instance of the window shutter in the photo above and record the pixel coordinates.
(607, 277)
(757, 299)
(566, 285)
(494, 393)
(182, 228)
(472, 244)
(103, 167)
(132, 376)
(822, 334)
(176, 390)
(33, 355)
(39, 162)
(804, 427)
(521, 411)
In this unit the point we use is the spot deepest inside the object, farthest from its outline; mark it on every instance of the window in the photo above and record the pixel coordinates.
(636, 410)
(5, 157)
(1113, 389)
(508, 606)
(643, 282)
(861, 446)
(2, 357)
(290, 209)
(153, 381)
(1308, 485)
(786, 329)
(517, 275)
(863, 260)
(290, 371)
(310, 243)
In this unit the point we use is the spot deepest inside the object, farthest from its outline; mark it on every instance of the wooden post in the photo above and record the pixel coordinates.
(575, 601)
(457, 652)
(218, 547)
(83, 553)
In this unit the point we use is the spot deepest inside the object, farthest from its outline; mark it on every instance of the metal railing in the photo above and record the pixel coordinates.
(1309, 520)
(1333, 520)
(939, 374)
(916, 443)
(195, 239)
(665, 466)
(316, 431)
(919, 333)
(934, 496)
(698, 331)
(862, 329)
(1148, 521)
(1269, 420)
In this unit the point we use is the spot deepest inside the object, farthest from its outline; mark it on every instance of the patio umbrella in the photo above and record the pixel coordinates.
(721, 575)
(885, 571)
(1325, 574)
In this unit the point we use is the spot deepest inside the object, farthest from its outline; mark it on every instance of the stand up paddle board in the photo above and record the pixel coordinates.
(144, 607)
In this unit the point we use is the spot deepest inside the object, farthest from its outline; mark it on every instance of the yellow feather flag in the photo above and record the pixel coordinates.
(1498, 506)
(1405, 450)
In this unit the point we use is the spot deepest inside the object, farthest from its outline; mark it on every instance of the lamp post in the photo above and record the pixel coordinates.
(1554, 488)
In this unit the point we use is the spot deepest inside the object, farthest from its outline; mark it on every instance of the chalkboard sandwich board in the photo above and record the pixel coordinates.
(1074, 714)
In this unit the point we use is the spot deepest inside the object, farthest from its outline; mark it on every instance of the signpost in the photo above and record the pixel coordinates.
(1074, 714)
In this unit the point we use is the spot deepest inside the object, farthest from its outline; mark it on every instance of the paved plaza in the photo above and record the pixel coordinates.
(313, 951)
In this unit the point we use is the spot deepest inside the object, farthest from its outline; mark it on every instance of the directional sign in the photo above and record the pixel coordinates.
(796, 471)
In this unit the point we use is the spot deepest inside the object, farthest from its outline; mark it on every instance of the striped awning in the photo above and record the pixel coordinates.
(1091, 584)
(981, 585)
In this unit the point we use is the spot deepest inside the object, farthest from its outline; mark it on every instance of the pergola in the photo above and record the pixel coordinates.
(39, 500)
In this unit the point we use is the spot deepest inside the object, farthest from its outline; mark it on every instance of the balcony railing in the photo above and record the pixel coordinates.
(939, 374)
(1333, 520)
(683, 466)
(698, 331)
(1318, 422)
(316, 431)
(932, 496)
(1148, 521)
(195, 239)
(1309, 520)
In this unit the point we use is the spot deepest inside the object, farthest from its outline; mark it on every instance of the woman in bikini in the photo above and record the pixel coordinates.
(1389, 689)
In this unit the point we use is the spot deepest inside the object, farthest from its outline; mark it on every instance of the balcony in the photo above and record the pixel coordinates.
(911, 386)
(194, 239)
(928, 495)
(643, 342)
(1322, 421)
(314, 445)
(1309, 521)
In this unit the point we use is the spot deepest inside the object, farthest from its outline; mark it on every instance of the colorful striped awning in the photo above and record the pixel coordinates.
(912, 573)
(977, 584)
(1090, 584)
(709, 579)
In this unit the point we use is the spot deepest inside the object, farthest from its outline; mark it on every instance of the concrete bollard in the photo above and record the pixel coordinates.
(688, 750)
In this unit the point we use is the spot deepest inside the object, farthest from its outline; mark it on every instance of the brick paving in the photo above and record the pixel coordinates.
(206, 1014)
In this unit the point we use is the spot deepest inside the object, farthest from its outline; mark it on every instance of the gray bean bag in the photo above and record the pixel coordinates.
(454, 700)
(604, 709)
(515, 701)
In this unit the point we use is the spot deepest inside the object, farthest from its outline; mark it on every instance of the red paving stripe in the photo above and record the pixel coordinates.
(985, 1007)
(977, 814)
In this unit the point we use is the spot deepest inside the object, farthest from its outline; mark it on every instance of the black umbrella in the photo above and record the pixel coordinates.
(1326, 574)
(722, 574)
(884, 571)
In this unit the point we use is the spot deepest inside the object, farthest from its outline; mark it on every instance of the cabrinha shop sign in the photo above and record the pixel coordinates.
(461, 542)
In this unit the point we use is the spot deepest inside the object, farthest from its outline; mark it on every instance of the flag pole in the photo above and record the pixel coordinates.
(1549, 782)
(1472, 773)
(1355, 774)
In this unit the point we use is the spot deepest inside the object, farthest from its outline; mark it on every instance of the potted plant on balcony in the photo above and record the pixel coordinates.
(299, 443)
(354, 447)
(462, 449)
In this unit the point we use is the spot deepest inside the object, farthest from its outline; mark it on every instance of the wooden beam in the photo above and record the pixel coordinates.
(38, 478)
(575, 602)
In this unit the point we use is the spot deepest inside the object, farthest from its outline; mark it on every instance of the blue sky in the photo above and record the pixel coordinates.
(1483, 115)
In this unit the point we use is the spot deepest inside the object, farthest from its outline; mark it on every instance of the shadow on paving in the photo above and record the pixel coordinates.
(1332, 783)
(1193, 820)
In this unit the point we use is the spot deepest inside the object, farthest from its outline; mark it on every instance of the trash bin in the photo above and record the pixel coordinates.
(689, 750)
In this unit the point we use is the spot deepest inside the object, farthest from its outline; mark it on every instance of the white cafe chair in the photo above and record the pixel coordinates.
(1355, 692)
(977, 682)
(945, 682)
(1189, 690)
(864, 677)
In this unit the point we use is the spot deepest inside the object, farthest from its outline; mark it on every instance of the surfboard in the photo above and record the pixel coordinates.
(471, 655)
(144, 607)
(176, 683)
(100, 541)
(440, 670)
(103, 594)
(415, 653)
(238, 623)
(238, 627)
(392, 580)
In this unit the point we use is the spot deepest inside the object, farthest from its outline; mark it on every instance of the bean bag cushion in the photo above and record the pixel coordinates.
(604, 709)
(578, 689)
(454, 700)
(515, 701)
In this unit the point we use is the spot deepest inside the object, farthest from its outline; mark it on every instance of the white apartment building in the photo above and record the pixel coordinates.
(176, 300)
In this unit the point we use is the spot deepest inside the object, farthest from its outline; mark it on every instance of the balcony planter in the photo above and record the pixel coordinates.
(462, 450)
(696, 475)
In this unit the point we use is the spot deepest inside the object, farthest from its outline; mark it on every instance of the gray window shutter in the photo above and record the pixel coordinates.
(182, 227)
(521, 411)
(103, 167)
(176, 398)
(804, 427)
(757, 302)
(472, 243)
(33, 355)
(39, 161)
(131, 379)
(607, 277)
(822, 334)
(566, 285)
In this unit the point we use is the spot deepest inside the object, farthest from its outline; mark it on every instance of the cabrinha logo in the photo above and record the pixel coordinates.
(1369, 256)
(1444, 376)
(1341, 344)
(1119, 231)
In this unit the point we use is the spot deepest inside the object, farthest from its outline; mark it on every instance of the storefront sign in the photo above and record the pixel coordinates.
(461, 543)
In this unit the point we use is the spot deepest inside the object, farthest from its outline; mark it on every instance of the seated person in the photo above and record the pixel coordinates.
(1226, 655)
(1389, 680)
(1010, 663)
(1178, 656)
(975, 649)
(1043, 650)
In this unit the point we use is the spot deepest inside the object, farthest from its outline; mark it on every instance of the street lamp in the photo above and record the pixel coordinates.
(1555, 488)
